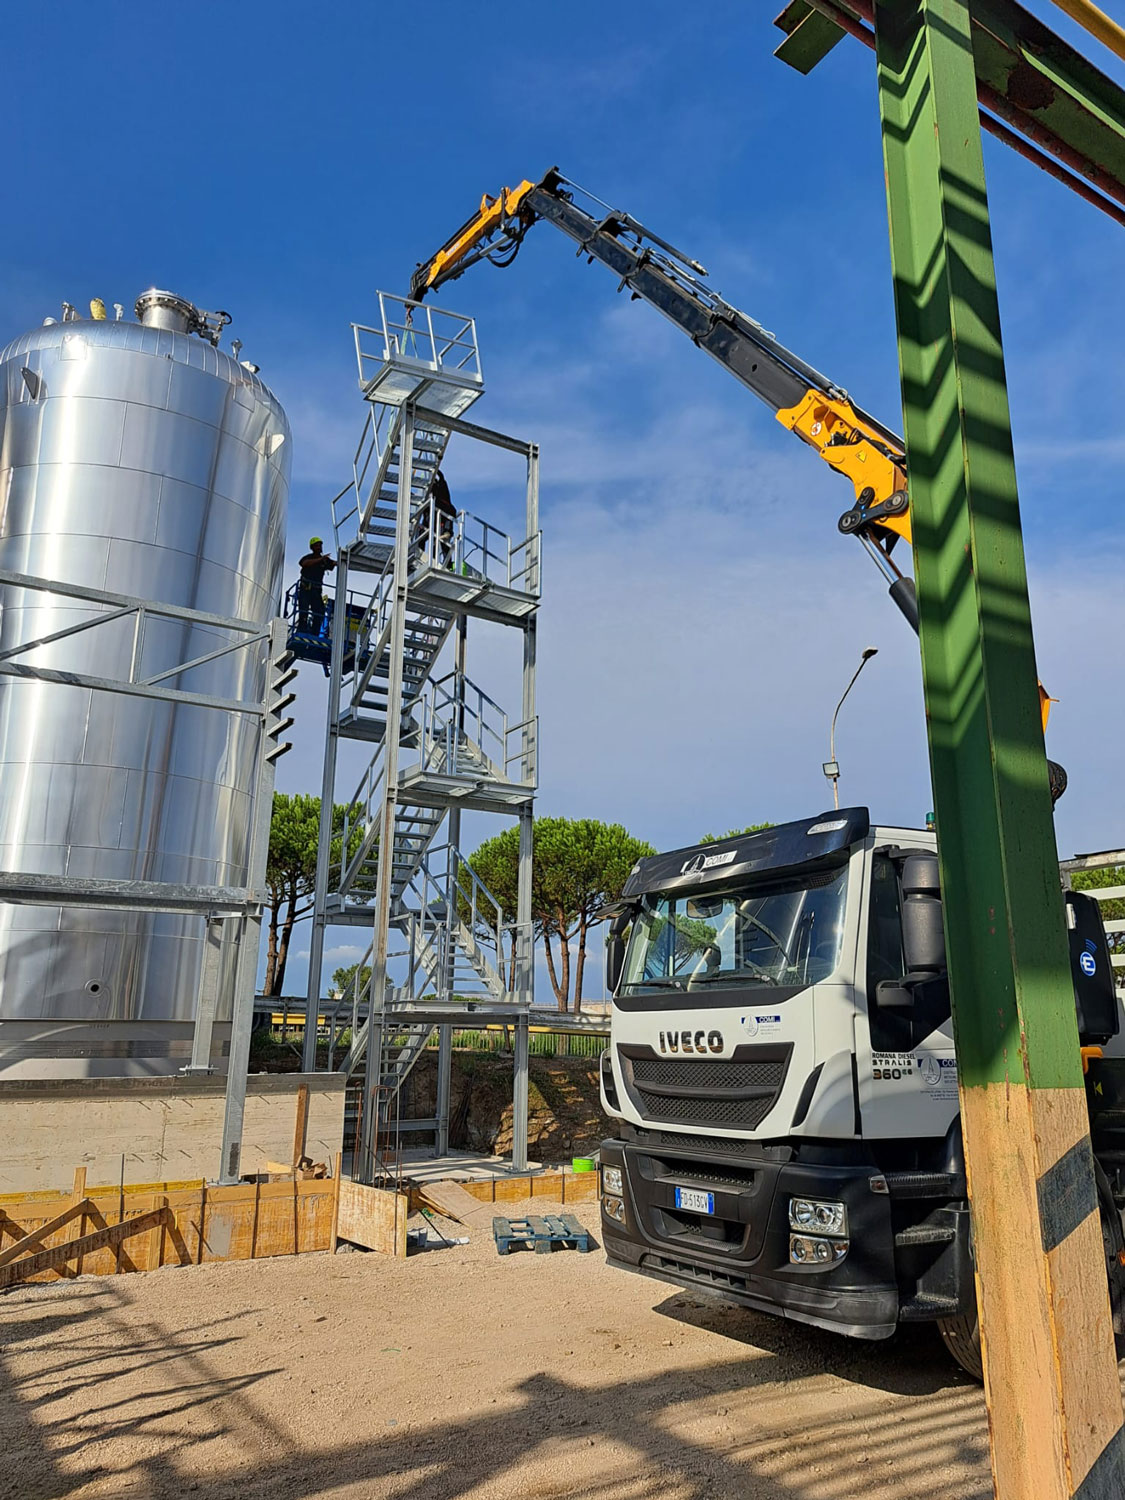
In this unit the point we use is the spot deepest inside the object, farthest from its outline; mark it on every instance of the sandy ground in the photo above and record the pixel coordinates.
(458, 1373)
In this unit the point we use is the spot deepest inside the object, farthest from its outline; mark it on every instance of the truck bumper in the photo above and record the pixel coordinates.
(741, 1251)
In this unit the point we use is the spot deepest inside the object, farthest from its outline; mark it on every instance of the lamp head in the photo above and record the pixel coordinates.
(869, 652)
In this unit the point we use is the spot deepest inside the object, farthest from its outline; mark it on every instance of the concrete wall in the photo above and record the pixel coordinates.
(155, 1129)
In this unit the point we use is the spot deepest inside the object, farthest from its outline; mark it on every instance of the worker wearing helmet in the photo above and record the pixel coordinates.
(310, 590)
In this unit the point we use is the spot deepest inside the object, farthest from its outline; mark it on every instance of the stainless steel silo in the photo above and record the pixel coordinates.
(139, 459)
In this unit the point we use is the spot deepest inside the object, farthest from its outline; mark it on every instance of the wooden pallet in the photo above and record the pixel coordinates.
(543, 1231)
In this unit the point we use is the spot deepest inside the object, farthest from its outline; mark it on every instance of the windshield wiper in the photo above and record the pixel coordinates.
(656, 984)
(746, 976)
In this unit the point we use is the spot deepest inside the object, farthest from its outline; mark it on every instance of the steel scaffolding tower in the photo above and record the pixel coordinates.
(443, 952)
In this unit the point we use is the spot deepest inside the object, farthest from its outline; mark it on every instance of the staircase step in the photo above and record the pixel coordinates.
(926, 1234)
(920, 1184)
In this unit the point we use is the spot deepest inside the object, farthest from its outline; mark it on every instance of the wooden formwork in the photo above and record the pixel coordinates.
(105, 1231)
(558, 1187)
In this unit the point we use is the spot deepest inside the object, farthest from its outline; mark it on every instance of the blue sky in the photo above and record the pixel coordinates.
(701, 612)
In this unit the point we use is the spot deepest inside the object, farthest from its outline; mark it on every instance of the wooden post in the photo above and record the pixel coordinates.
(78, 1192)
(301, 1127)
(156, 1240)
(202, 1222)
(120, 1217)
(333, 1234)
(254, 1225)
(1050, 1371)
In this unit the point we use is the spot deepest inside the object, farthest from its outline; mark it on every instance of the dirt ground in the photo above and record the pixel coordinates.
(459, 1373)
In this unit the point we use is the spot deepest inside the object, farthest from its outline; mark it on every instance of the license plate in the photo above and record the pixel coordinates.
(695, 1200)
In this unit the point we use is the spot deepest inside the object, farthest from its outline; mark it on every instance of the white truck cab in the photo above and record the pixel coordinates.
(783, 1079)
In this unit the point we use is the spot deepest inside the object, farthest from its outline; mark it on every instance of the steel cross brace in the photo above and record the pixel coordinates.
(1050, 1367)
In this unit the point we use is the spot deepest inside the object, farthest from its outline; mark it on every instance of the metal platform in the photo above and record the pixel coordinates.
(420, 355)
(475, 794)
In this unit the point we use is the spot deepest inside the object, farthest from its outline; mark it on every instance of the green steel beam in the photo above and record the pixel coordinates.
(810, 36)
(1055, 1404)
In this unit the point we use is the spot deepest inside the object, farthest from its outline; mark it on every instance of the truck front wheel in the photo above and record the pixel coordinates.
(961, 1336)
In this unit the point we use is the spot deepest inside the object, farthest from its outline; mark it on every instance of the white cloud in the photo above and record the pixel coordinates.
(702, 615)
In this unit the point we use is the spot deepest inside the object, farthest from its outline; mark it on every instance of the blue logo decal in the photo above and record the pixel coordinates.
(1088, 964)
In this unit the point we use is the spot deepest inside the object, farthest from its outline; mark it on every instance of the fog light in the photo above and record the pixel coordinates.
(823, 1216)
(811, 1250)
(613, 1180)
(614, 1208)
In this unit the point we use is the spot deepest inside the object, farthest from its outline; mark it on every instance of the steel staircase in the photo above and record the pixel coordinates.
(434, 748)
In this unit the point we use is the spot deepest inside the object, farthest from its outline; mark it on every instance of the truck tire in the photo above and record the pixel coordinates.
(1113, 1240)
(961, 1336)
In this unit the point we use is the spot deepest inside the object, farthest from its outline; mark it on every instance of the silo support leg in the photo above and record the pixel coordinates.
(238, 1063)
(207, 1000)
(1051, 1374)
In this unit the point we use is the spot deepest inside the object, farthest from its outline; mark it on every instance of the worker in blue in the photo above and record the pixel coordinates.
(310, 591)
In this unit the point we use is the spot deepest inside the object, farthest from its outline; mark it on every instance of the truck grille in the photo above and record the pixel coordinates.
(736, 1093)
(745, 1114)
(715, 1074)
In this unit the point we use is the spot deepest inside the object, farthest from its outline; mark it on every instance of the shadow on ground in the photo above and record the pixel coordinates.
(662, 1434)
(913, 1362)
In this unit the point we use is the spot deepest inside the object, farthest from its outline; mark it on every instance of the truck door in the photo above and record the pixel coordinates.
(905, 1061)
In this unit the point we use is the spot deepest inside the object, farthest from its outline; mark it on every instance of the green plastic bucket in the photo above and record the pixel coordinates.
(584, 1164)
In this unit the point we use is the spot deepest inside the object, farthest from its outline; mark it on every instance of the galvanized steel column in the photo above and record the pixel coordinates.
(1051, 1374)
(388, 813)
(340, 626)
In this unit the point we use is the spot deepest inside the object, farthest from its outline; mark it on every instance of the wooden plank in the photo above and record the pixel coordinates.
(512, 1189)
(34, 1240)
(301, 1124)
(58, 1255)
(450, 1200)
(580, 1188)
(373, 1217)
(154, 1258)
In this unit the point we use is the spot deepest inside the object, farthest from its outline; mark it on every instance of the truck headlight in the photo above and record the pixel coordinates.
(812, 1250)
(613, 1181)
(614, 1208)
(820, 1215)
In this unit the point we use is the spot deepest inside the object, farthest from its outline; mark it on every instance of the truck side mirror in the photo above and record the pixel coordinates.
(923, 938)
(615, 951)
(1095, 994)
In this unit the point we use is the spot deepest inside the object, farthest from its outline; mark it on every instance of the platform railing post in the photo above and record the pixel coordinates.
(1050, 1370)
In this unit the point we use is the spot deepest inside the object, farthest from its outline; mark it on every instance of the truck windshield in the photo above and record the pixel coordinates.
(785, 934)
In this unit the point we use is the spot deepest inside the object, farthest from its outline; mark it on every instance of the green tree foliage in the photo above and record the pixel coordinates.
(578, 864)
(342, 978)
(733, 833)
(291, 873)
(496, 865)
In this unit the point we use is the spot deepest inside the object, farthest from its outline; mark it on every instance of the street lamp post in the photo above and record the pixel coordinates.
(831, 767)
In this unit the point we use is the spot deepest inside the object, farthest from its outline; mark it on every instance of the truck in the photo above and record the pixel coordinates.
(782, 1080)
